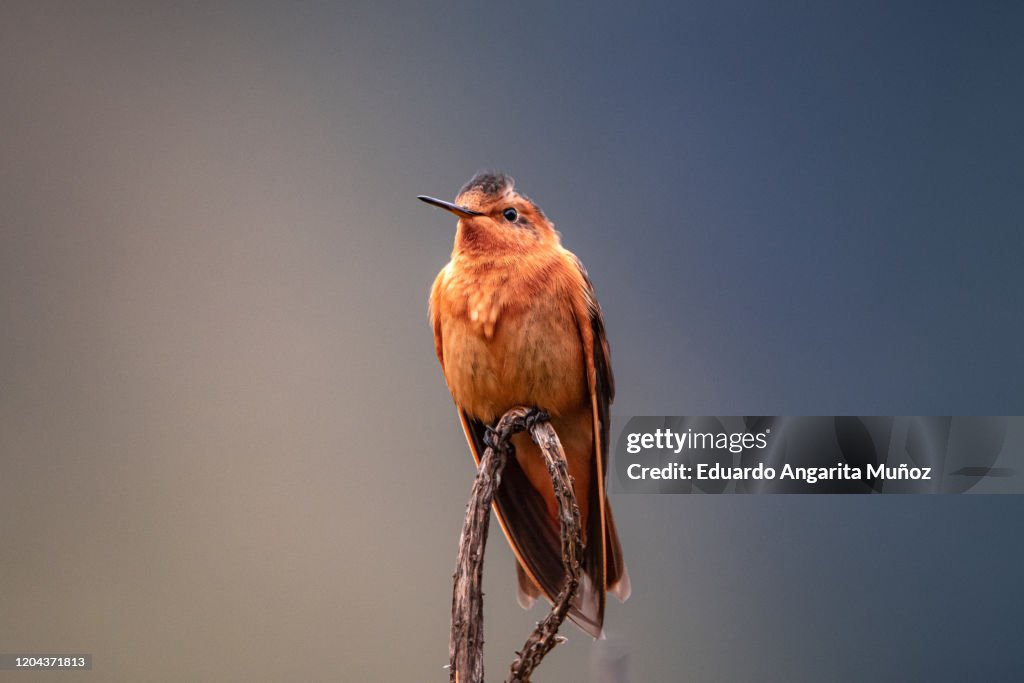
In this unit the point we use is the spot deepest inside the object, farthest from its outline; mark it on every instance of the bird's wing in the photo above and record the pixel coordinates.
(602, 559)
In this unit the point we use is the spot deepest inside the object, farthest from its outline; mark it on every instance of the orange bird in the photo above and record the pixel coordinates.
(516, 324)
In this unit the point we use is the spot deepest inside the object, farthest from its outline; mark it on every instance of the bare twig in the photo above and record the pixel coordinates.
(465, 648)
(545, 635)
(466, 643)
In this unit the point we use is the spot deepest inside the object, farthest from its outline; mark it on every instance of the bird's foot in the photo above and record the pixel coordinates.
(534, 416)
(492, 439)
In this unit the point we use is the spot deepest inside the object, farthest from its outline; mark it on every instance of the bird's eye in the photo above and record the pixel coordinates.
(510, 215)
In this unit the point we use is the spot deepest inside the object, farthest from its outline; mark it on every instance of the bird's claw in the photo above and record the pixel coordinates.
(492, 439)
(535, 416)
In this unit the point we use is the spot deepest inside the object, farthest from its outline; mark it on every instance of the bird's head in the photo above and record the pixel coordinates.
(494, 218)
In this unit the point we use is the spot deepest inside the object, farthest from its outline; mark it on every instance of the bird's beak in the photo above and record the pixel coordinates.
(460, 211)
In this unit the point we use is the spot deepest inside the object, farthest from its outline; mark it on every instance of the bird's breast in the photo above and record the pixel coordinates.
(503, 349)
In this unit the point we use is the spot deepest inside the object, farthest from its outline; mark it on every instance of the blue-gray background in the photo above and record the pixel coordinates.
(227, 449)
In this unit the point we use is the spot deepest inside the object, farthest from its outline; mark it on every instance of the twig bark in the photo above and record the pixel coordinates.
(466, 646)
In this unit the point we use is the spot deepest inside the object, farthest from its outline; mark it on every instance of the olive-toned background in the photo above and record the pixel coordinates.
(226, 449)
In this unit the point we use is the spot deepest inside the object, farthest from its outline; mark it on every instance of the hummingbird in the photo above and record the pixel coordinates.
(516, 323)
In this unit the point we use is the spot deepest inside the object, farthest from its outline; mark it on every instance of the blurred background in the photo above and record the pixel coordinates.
(227, 452)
